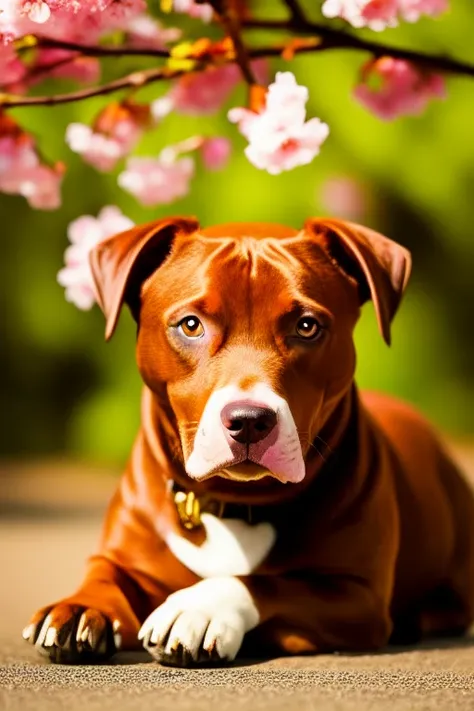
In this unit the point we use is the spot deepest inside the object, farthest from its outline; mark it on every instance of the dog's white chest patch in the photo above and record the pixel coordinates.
(232, 547)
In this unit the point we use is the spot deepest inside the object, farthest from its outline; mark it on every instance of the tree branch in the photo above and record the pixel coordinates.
(231, 24)
(328, 39)
(135, 80)
(332, 39)
(339, 39)
(298, 18)
(102, 50)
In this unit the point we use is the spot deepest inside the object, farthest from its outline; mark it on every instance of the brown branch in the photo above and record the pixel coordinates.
(102, 50)
(135, 80)
(329, 39)
(333, 39)
(298, 18)
(339, 39)
(231, 23)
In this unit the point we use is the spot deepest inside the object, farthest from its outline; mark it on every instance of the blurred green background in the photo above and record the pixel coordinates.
(64, 391)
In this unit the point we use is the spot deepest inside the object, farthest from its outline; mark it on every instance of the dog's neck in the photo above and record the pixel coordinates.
(161, 434)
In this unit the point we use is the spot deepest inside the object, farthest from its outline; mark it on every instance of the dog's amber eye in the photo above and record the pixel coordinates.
(307, 327)
(191, 327)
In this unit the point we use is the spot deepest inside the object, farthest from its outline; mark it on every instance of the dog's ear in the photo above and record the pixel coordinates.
(380, 266)
(120, 264)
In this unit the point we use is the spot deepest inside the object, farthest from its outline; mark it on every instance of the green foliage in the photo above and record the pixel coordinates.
(64, 389)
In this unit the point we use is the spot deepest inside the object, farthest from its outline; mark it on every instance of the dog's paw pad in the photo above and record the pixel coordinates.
(71, 634)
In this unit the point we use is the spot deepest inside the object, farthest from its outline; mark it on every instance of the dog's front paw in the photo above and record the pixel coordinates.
(202, 624)
(70, 634)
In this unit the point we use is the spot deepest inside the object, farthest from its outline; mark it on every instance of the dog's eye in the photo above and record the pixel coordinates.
(191, 327)
(307, 328)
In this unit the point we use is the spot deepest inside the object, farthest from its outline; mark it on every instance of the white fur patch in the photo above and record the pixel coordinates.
(213, 450)
(213, 614)
(232, 547)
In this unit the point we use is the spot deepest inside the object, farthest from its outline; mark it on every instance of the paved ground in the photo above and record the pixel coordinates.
(46, 531)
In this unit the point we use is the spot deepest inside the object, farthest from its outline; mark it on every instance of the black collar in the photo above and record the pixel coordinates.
(190, 508)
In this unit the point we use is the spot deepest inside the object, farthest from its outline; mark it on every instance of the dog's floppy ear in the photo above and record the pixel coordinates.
(121, 263)
(380, 266)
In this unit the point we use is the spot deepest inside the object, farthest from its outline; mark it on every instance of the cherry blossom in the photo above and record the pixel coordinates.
(63, 64)
(204, 12)
(115, 133)
(158, 181)
(37, 11)
(279, 136)
(12, 70)
(404, 89)
(379, 14)
(200, 93)
(412, 10)
(145, 31)
(78, 20)
(215, 152)
(59, 63)
(41, 186)
(84, 233)
(343, 196)
(9, 18)
(203, 93)
(23, 173)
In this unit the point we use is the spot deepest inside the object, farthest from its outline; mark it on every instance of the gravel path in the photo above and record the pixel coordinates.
(42, 553)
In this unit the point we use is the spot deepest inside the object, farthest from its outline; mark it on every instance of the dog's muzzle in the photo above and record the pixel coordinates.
(246, 435)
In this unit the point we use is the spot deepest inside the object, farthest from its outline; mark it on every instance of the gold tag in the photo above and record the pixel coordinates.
(188, 508)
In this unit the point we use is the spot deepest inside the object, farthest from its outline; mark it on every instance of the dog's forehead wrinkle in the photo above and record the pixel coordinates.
(245, 276)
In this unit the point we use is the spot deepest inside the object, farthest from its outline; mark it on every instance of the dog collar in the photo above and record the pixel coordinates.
(190, 507)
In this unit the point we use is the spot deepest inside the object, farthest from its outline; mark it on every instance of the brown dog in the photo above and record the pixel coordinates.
(264, 497)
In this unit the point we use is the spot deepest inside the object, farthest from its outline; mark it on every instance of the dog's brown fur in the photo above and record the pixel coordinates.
(377, 541)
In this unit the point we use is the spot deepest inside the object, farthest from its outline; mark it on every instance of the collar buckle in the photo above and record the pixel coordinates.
(189, 509)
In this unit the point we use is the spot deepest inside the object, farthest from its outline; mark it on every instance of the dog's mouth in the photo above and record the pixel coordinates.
(244, 471)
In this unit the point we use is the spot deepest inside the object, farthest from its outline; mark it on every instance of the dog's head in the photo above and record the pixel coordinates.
(248, 330)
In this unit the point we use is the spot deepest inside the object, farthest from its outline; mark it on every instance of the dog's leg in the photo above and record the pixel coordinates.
(301, 615)
(94, 623)
(207, 622)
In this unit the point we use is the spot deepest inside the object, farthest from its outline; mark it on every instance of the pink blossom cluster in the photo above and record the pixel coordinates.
(202, 11)
(80, 21)
(22, 172)
(84, 234)
(379, 14)
(279, 136)
(166, 178)
(87, 20)
(16, 77)
(400, 88)
(152, 180)
(205, 92)
(115, 133)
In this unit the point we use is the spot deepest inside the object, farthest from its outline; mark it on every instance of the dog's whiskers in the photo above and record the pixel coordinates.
(310, 439)
(305, 441)
(325, 443)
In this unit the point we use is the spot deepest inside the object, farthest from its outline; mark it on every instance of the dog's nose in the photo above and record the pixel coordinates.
(248, 424)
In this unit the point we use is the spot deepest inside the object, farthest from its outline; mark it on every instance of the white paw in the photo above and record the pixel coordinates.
(203, 623)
